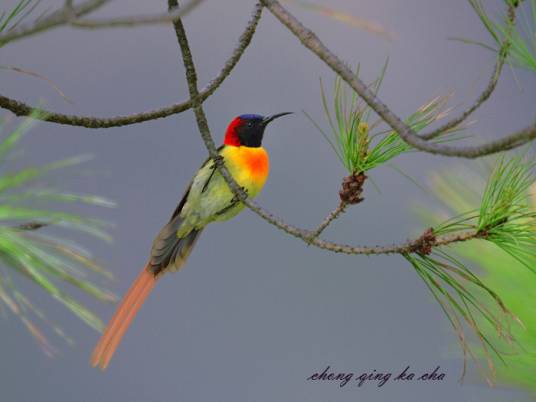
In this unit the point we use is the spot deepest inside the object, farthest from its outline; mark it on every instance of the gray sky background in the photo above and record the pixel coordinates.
(255, 312)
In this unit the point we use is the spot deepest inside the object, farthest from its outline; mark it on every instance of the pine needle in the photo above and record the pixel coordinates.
(53, 264)
(505, 220)
(356, 141)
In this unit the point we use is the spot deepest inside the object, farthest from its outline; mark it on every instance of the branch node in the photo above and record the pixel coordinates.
(424, 244)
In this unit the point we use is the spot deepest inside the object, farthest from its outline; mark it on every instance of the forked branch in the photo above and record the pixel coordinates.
(23, 109)
(309, 39)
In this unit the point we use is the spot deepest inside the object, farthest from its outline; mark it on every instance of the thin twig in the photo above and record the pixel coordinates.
(309, 39)
(136, 20)
(23, 109)
(492, 84)
(326, 222)
(57, 18)
(38, 76)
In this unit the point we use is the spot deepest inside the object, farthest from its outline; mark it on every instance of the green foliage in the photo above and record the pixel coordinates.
(49, 262)
(522, 52)
(465, 300)
(357, 143)
(507, 219)
(505, 214)
(11, 19)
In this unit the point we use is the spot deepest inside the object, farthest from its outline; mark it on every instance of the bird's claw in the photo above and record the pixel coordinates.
(236, 197)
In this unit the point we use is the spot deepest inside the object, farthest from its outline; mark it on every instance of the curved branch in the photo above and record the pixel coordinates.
(309, 39)
(23, 109)
(484, 96)
(492, 84)
(135, 21)
(55, 19)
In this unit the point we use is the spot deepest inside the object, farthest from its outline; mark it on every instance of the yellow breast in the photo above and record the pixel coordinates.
(249, 166)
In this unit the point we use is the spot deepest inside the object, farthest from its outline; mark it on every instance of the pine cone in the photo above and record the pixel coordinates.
(352, 188)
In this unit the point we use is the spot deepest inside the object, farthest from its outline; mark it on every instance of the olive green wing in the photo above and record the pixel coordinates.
(169, 251)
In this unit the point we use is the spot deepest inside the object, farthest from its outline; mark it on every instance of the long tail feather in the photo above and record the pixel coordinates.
(125, 313)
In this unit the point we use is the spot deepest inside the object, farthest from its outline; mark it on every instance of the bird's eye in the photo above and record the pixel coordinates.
(250, 124)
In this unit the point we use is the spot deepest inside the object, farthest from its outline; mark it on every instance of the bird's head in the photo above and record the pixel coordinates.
(248, 129)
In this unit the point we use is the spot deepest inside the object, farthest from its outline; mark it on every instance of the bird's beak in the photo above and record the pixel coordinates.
(268, 119)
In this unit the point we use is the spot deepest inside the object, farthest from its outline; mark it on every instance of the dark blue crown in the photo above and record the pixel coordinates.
(251, 116)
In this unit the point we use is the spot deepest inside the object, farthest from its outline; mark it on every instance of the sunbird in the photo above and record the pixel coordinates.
(207, 199)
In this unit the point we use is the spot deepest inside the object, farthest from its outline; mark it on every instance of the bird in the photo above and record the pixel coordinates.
(207, 199)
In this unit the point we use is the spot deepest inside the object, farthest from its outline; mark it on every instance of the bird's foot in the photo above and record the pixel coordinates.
(236, 197)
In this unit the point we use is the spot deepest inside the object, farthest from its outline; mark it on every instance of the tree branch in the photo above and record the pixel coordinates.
(57, 18)
(136, 20)
(23, 109)
(309, 39)
(327, 221)
(492, 84)
(408, 247)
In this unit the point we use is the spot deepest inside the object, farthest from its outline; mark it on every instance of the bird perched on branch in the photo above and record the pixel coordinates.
(208, 198)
